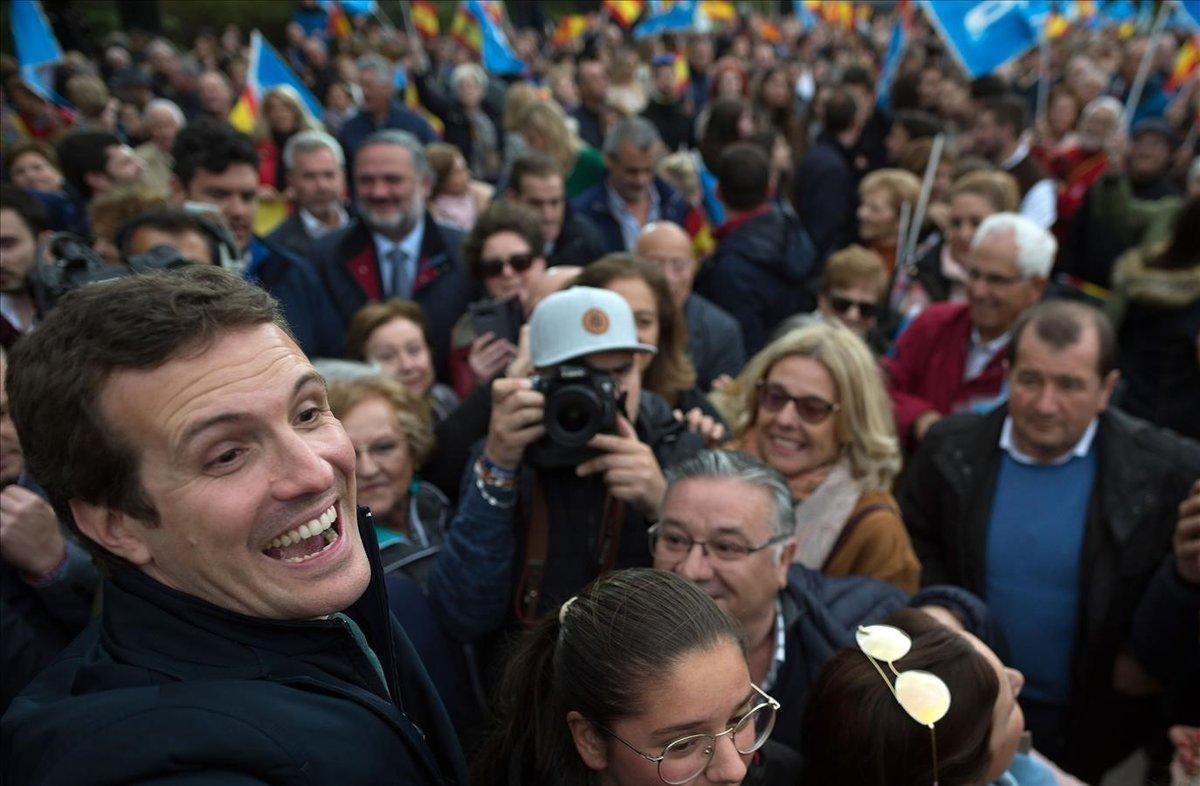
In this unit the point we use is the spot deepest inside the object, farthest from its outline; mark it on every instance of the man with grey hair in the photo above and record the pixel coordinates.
(316, 179)
(394, 248)
(161, 121)
(726, 524)
(951, 358)
(380, 109)
(630, 195)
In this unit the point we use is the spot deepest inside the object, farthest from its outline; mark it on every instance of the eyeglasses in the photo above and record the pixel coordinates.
(679, 544)
(991, 279)
(686, 758)
(866, 308)
(924, 696)
(490, 268)
(811, 409)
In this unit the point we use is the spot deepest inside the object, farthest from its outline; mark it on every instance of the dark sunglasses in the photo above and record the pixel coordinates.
(811, 409)
(866, 308)
(490, 268)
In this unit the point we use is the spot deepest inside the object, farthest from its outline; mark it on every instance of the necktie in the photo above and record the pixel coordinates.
(397, 283)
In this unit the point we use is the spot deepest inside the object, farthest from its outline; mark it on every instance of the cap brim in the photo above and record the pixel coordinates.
(562, 357)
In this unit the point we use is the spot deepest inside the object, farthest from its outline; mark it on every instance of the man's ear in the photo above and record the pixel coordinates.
(114, 530)
(588, 742)
(785, 562)
(1109, 384)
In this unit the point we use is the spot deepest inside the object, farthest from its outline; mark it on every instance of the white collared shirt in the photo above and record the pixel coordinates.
(315, 227)
(626, 220)
(1040, 203)
(411, 246)
(981, 353)
(1009, 446)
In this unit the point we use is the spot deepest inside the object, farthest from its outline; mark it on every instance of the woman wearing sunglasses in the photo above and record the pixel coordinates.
(503, 254)
(812, 405)
(917, 703)
(639, 680)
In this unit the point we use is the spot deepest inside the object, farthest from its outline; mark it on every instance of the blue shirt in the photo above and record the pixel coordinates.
(1034, 546)
(362, 125)
(626, 220)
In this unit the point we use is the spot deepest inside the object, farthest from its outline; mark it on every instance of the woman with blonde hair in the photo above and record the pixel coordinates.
(282, 116)
(812, 405)
(545, 129)
(882, 195)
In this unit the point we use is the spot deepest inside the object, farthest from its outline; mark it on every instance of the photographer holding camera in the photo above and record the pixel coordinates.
(570, 476)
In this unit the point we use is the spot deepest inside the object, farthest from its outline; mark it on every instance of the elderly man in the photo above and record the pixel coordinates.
(243, 634)
(1058, 511)
(1081, 164)
(714, 338)
(316, 178)
(738, 511)
(380, 108)
(631, 195)
(161, 120)
(394, 248)
(951, 358)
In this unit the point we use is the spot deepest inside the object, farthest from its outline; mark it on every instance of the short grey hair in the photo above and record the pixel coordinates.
(392, 136)
(742, 467)
(468, 71)
(636, 131)
(167, 104)
(1102, 104)
(308, 142)
(1035, 246)
(379, 64)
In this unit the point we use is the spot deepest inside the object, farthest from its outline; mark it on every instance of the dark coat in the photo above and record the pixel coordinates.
(826, 195)
(578, 242)
(400, 117)
(166, 687)
(673, 124)
(291, 235)
(346, 263)
(304, 301)
(1142, 475)
(593, 206)
(762, 272)
(589, 126)
(714, 341)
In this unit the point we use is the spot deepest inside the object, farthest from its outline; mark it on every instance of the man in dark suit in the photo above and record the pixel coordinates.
(380, 108)
(316, 176)
(394, 249)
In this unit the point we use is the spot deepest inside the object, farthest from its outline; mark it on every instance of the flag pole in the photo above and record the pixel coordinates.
(1043, 88)
(1143, 72)
(918, 218)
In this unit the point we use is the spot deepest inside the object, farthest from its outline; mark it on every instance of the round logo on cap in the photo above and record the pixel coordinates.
(595, 321)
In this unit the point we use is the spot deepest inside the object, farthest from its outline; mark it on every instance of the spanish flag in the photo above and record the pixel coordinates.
(413, 101)
(465, 29)
(337, 25)
(625, 12)
(244, 111)
(425, 18)
(570, 27)
(719, 10)
(1186, 63)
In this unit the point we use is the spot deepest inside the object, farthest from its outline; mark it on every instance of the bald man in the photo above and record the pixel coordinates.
(714, 337)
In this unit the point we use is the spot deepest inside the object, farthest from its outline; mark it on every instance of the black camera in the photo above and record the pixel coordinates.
(580, 403)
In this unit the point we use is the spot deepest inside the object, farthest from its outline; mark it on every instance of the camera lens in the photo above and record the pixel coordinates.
(573, 415)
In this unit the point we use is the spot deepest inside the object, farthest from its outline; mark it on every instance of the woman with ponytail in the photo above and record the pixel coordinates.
(639, 679)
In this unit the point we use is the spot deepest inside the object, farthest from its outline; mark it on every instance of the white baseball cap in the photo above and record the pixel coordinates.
(582, 321)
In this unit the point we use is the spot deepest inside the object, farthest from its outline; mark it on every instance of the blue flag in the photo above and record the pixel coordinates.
(983, 35)
(273, 71)
(1188, 14)
(681, 16)
(352, 7)
(803, 14)
(37, 48)
(1119, 11)
(498, 54)
(891, 63)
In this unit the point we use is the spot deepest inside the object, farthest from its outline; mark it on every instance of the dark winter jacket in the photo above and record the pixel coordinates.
(826, 195)
(578, 242)
(762, 272)
(293, 281)
(714, 341)
(593, 205)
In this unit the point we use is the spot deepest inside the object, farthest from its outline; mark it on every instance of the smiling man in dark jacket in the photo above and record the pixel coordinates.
(244, 633)
(765, 267)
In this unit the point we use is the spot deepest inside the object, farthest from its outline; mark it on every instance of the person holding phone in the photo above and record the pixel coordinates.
(503, 254)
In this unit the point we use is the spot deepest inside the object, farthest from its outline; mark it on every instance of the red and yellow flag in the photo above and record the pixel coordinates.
(839, 13)
(625, 12)
(425, 18)
(719, 10)
(338, 25)
(570, 27)
(769, 31)
(1186, 63)
(244, 112)
(465, 29)
(413, 101)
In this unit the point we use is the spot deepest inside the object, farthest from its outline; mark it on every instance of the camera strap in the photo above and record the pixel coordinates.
(537, 547)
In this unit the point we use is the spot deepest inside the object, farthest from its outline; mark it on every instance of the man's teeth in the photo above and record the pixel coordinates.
(309, 529)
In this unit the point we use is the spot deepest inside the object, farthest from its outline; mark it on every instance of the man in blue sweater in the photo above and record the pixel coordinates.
(1058, 511)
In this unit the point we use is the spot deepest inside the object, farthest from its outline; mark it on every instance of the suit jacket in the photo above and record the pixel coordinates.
(347, 264)
(1142, 475)
(290, 234)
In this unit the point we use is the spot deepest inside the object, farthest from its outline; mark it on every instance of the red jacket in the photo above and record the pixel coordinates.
(925, 372)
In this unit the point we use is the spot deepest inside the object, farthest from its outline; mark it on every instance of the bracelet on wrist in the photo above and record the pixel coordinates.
(496, 502)
(495, 476)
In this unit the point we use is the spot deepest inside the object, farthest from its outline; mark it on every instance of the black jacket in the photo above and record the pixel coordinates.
(673, 124)
(578, 242)
(714, 341)
(1142, 475)
(346, 263)
(164, 687)
(826, 195)
(761, 273)
(291, 235)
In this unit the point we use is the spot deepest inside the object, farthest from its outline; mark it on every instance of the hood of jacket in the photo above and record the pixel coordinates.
(774, 241)
(1154, 286)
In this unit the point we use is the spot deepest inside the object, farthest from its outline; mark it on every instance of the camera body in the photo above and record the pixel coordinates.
(580, 403)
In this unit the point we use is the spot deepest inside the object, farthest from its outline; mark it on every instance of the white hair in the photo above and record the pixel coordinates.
(1105, 103)
(307, 142)
(468, 71)
(164, 103)
(1035, 246)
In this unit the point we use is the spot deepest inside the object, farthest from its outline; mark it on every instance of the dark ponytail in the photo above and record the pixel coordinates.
(616, 638)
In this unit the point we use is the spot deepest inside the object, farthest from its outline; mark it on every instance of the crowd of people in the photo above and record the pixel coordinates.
(696, 408)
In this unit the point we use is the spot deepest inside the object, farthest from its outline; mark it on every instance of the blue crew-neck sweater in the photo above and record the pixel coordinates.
(1034, 550)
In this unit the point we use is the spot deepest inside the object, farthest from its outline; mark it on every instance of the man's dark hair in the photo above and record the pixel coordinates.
(987, 87)
(27, 206)
(502, 216)
(59, 371)
(172, 221)
(212, 146)
(860, 76)
(744, 176)
(1060, 323)
(918, 124)
(841, 110)
(532, 164)
(1010, 110)
(83, 152)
